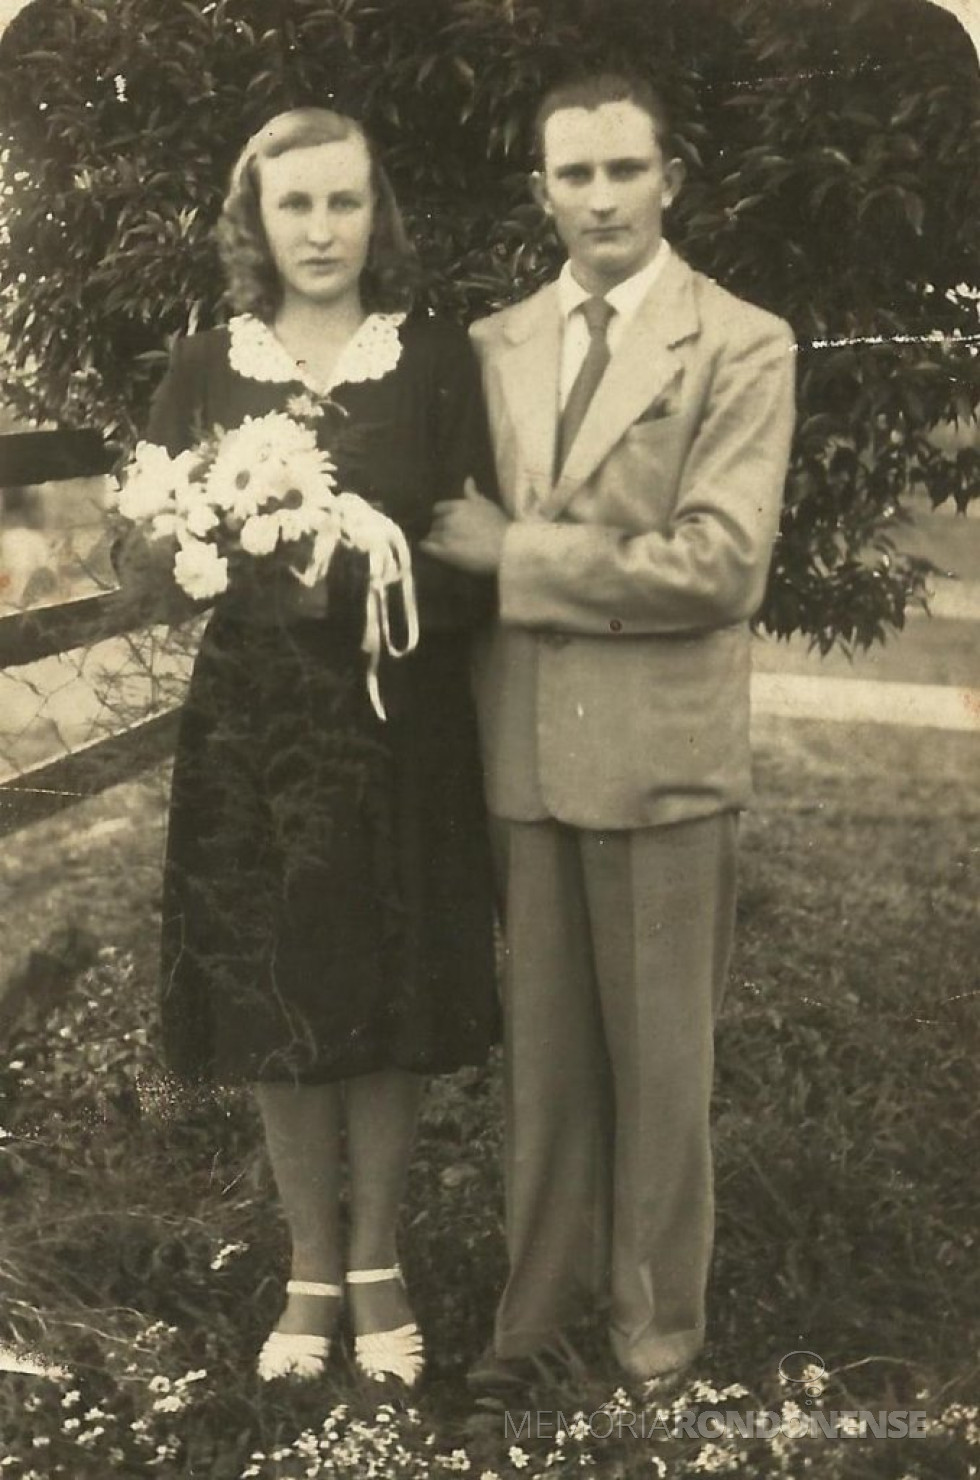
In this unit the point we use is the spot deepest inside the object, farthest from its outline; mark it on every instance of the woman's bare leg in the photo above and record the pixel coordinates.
(303, 1135)
(382, 1112)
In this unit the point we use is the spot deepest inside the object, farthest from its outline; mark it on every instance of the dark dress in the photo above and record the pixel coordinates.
(327, 902)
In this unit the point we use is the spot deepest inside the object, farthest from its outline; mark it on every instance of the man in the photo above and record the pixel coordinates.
(642, 419)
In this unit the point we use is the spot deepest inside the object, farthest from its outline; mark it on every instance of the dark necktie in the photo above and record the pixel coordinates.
(597, 314)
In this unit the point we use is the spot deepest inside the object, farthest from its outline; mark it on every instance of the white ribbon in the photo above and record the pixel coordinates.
(389, 564)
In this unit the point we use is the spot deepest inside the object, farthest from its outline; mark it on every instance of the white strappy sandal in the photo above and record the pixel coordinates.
(287, 1354)
(383, 1354)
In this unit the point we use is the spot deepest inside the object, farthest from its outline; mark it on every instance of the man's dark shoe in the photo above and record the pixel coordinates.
(507, 1377)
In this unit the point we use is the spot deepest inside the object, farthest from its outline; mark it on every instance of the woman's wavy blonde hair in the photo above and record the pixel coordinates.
(253, 283)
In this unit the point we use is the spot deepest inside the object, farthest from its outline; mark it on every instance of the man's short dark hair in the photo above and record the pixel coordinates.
(591, 90)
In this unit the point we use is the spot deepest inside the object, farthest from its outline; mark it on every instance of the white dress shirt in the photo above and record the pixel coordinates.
(625, 298)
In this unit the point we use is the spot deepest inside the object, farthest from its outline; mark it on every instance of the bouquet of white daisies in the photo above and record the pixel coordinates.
(266, 491)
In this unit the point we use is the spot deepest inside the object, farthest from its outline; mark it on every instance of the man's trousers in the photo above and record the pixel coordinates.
(618, 946)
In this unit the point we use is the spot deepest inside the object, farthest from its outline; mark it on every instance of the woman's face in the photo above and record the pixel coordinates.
(317, 207)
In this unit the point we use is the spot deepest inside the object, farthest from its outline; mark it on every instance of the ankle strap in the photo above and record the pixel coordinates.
(312, 1287)
(373, 1276)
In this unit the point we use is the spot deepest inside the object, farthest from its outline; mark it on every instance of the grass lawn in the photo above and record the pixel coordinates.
(142, 1249)
(932, 650)
(950, 540)
(939, 649)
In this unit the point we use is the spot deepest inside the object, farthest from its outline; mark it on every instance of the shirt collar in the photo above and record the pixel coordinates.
(625, 298)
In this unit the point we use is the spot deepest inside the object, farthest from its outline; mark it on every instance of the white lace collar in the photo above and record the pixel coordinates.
(257, 353)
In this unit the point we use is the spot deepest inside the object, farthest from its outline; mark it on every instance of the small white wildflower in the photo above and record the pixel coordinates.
(159, 1384)
(854, 1427)
(518, 1457)
(226, 1253)
(458, 1461)
(40, 1441)
(90, 1435)
(16, 1064)
(170, 1403)
(93, 1415)
(71, 1424)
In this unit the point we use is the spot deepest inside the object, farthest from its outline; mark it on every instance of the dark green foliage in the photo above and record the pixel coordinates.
(833, 149)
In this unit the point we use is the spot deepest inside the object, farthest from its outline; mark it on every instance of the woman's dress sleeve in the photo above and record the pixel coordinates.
(450, 598)
(177, 406)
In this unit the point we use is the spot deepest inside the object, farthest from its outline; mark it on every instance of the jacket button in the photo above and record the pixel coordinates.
(615, 625)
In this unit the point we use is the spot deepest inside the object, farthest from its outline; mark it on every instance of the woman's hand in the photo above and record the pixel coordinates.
(468, 532)
(145, 571)
(143, 567)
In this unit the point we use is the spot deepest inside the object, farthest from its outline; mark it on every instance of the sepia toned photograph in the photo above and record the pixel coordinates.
(489, 739)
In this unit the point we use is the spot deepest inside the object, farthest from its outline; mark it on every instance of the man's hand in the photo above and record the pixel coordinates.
(468, 532)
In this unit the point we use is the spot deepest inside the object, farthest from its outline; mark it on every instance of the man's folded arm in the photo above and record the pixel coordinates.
(709, 568)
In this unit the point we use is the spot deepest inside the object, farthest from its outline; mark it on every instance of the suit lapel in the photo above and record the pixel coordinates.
(644, 362)
(529, 375)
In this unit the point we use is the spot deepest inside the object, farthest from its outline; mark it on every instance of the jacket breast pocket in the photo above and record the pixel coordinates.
(665, 404)
(653, 435)
(662, 409)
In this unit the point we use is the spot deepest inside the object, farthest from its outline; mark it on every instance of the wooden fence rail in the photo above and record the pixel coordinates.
(29, 635)
(25, 637)
(52, 457)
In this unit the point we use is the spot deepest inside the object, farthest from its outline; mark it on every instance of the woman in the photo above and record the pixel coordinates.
(327, 930)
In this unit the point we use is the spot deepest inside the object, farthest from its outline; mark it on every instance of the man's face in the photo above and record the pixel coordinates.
(606, 184)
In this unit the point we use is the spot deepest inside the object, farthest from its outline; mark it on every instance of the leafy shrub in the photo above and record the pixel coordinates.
(834, 177)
